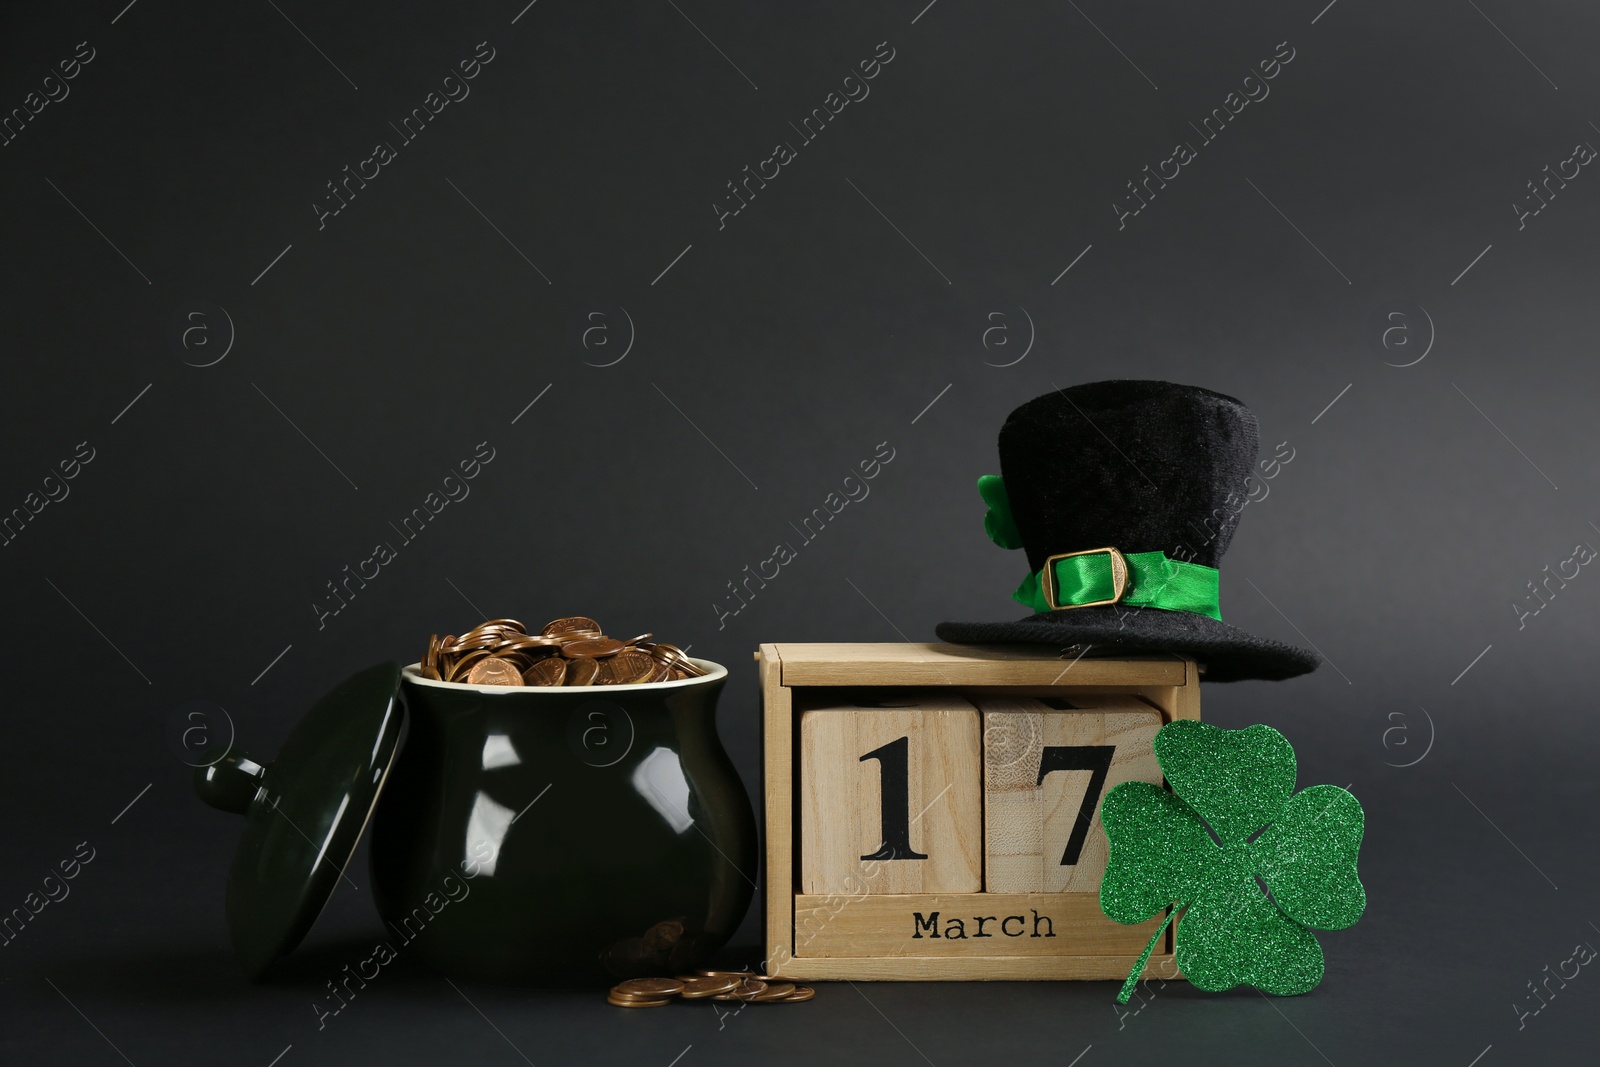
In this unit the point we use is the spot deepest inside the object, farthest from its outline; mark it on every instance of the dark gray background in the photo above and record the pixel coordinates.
(777, 352)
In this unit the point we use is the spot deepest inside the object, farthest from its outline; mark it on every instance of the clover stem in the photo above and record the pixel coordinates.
(1138, 968)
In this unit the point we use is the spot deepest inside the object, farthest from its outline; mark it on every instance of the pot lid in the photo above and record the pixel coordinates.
(304, 812)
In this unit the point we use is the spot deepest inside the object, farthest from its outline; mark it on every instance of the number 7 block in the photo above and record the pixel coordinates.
(1047, 764)
(891, 796)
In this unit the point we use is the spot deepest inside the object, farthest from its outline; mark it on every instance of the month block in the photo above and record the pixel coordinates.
(891, 796)
(1047, 763)
(971, 926)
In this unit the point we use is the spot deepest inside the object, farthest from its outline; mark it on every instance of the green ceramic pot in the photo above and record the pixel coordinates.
(563, 836)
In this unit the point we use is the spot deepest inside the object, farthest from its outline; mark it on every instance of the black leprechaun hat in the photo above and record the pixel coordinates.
(1125, 494)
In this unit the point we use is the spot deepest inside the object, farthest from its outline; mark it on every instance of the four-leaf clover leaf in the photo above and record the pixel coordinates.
(1256, 865)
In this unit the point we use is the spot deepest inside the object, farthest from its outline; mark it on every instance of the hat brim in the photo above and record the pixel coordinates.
(1228, 653)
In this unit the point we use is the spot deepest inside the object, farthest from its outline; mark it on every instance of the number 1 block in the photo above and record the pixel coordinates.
(891, 797)
(1047, 765)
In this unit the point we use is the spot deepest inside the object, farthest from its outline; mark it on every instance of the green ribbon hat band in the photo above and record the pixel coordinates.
(1153, 580)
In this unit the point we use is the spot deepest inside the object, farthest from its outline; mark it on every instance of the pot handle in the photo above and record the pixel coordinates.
(232, 783)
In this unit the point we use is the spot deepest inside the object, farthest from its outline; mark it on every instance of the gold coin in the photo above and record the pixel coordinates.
(574, 623)
(774, 991)
(494, 672)
(706, 986)
(640, 996)
(473, 639)
(625, 1002)
(648, 987)
(526, 642)
(521, 661)
(627, 668)
(649, 669)
(463, 664)
(801, 994)
(676, 658)
(748, 989)
(581, 671)
(592, 646)
(492, 651)
(549, 671)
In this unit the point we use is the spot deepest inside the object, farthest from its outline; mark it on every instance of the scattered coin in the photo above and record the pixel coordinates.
(649, 987)
(629, 1002)
(639, 996)
(748, 989)
(775, 991)
(707, 986)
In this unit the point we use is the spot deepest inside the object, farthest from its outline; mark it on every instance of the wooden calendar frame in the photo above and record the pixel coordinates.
(1168, 682)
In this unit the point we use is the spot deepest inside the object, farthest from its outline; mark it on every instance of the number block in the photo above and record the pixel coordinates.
(891, 796)
(1047, 763)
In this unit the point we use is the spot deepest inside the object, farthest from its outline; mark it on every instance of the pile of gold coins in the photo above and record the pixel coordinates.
(571, 651)
(708, 985)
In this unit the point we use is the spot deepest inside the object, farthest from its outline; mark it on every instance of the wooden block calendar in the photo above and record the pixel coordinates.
(932, 810)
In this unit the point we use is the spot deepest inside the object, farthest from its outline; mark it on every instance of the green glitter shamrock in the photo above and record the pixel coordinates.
(1231, 825)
